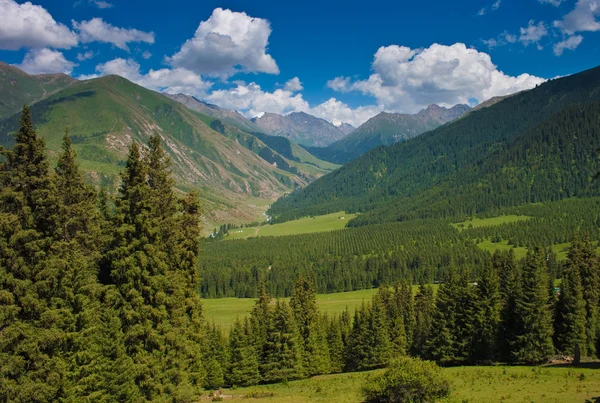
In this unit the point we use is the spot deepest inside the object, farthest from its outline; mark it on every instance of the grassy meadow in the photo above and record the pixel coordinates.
(487, 222)
(469, 385)
(224, 311)
(305, 225)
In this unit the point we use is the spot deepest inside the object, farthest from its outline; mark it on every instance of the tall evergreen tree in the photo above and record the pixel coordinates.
(570, 311)
(510, 290)
(243, 359)
(487, 314)
(533, 342)
(282, 352)
(424, 308)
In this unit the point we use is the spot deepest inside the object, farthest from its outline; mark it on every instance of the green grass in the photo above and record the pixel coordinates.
(487, 222)
(520, 252)
(224, 311)
(469, 384)
(302, 226)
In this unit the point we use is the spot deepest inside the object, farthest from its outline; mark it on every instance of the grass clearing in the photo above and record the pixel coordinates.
(487, 222)
(561, 250)
(224, 311)
(306, 225)
(469, 384)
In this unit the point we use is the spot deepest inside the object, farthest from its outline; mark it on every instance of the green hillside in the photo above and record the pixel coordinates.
(18, 88)
(105, 115)
(535, 146)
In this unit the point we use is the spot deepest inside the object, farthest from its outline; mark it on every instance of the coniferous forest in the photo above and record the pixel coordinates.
(100, 295)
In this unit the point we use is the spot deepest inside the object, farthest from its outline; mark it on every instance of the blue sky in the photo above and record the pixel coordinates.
(340, 60)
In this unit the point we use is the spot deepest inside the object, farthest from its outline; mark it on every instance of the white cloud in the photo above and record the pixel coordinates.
(482, 11)
(571, 43)
(43, 61)
(251, 100)
(146, 55)
(30, 26)
(226, 43)
(101, 4)
(582, 18)
(555, 3)
(293, 85)
(496, 5)
(406, 80)
(85, 56)
(533, 33)
(96, 30)
(166, 80)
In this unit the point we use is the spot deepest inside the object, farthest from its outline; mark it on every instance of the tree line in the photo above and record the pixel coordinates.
(512, 313)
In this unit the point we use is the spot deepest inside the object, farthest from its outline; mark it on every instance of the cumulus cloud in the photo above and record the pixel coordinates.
(583, 18)
(293, 85)
(533, 33)
(165, 80)
(42, 61)
(407, 80)
(146, 55)
(96, 30)
(571, 43)
(251, 100)
(226, 43)
(30, 26)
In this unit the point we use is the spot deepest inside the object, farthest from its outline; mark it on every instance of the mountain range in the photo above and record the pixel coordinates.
(386, 129)
(302, 128)
(236, 172)
(536, 146)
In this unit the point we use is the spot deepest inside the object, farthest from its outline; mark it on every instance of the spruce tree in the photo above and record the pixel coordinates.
(487, 314)
(570, 311)
(335, 344)
(533, 344)
(314, 342)
(424, 308)
(243, 359)
(282, 352)
(510, 290)
(214, 357)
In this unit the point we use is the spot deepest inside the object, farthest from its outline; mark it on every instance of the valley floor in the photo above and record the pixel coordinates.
(469, 385)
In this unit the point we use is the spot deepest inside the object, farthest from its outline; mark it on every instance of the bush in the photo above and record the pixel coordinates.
(408, 380)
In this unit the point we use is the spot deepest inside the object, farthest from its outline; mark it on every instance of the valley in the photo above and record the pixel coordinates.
(235, 207)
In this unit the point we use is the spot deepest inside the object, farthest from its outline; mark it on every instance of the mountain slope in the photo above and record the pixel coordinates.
(233, 118)
(399, 181)
(105, 115)
(386, 129)
(18, 88)
(300, 127)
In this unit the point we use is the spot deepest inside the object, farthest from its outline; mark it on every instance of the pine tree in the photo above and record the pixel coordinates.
(405, 303)
(533, 344)
(570, 310)
(282, 352)
(214, 357)
(487, 314)
(510, 289)
(314, 343)
(335, 344)
(582, 255)
(424, 308)
(243, 359)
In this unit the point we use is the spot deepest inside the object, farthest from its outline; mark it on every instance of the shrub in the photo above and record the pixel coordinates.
(407, 380)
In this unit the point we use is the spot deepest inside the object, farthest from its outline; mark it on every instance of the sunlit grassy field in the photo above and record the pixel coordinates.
(306, 225)
(224, 311)
(561, 250)
(469, 385)
(486, 222)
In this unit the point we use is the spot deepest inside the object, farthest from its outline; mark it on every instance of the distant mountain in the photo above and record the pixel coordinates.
(300, 127)
(539, 145)
(346, 128)
(18, 88)
(386, 129)
(229, 166)
(231, 117)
